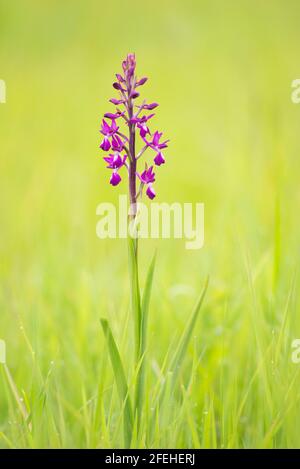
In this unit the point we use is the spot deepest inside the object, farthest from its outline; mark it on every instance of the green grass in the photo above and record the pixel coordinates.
(222, 73)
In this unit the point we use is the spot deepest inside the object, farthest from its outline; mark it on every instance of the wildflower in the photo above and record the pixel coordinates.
(126, 141)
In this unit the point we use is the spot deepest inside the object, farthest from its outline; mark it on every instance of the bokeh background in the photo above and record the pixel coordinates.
(222, 73)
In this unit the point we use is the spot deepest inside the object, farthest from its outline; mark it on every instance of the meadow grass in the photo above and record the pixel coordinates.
(222, 73)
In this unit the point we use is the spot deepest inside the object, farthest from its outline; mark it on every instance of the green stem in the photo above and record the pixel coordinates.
(135, 294)
(140, 380)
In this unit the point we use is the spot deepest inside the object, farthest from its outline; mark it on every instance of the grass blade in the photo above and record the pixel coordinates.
(15, 393)
(121, 382)
(183, 344)
(144, 321)
(179, 355)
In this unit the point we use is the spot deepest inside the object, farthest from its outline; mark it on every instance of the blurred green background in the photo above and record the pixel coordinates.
(222, 73)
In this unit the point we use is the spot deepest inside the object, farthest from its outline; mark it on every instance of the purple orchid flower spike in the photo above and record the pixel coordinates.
(135, 125)
(127, 138)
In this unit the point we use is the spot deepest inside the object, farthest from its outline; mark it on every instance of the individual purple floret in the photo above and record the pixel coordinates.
(159, 159)
(115, 178)
(116, 143)
(150, 192)
(141, 124)
(126, 141)
(148, 176)
(115, 162)
(105, 145)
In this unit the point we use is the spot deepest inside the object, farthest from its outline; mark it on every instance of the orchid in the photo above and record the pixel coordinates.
(124, 154)
(135, 125)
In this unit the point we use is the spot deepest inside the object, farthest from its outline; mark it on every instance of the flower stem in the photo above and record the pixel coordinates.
(133, 263)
